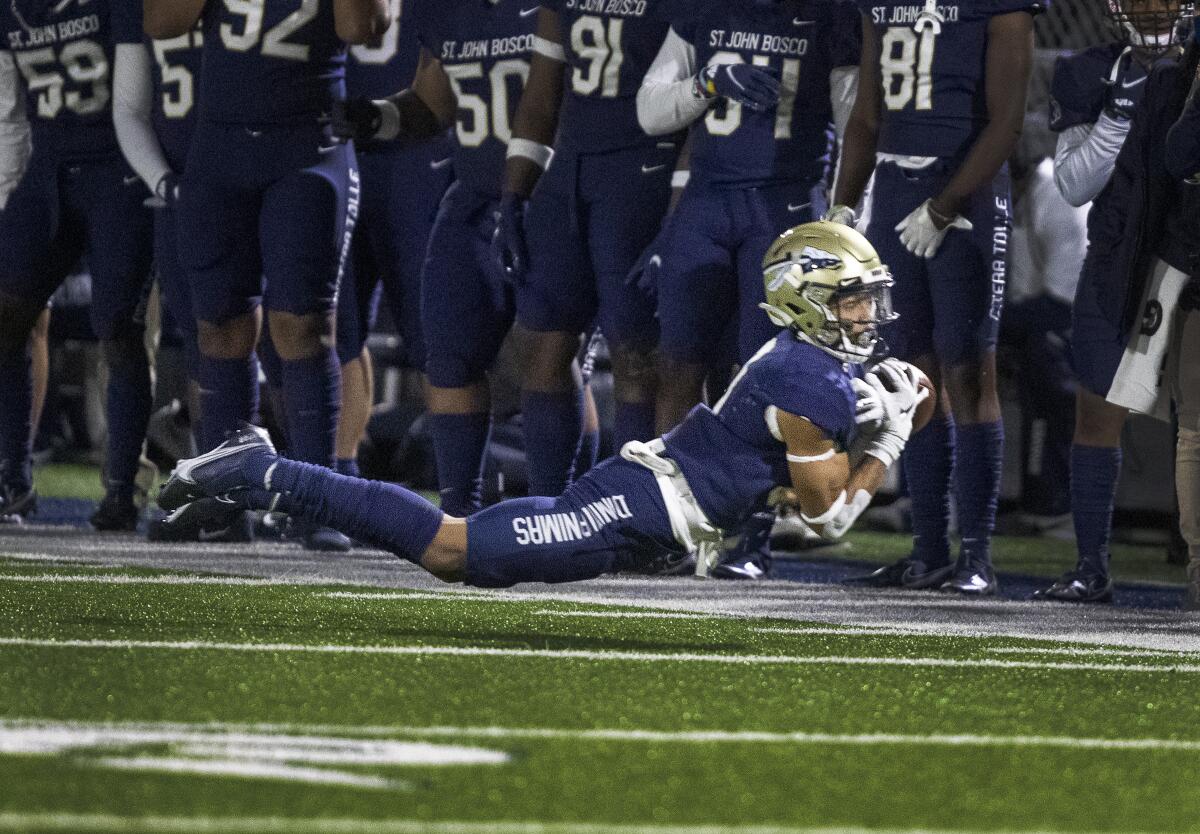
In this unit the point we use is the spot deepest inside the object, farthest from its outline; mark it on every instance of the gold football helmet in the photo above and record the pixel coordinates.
(826, 284)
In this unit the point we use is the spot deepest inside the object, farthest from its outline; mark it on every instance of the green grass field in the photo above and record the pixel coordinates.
(136, 700)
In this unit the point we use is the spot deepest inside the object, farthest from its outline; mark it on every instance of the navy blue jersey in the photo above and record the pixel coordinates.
(1080, 85)
(803, 40)
(270, 61)
(609, 46)
(730, 454)
(485, 48)
(64, 51)
(934, 96)
(176, 76)
(379, 71)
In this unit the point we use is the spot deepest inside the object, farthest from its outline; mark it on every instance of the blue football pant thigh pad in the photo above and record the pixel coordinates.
(613, 518)
(949, 305)
(1097, 345)
(466, 306)
(712, 266)
(59, 213)
(588, 222)
(268, 205)
(401, 193)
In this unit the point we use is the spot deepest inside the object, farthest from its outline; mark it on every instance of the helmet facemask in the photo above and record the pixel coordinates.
(1150, 26)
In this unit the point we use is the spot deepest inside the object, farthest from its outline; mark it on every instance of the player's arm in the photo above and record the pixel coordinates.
(421, 112)
(133, 105)
(1182, 152)
(361, 21)
(536, 122)
(829, 493)
(14, 127)
(856, 162)
(170, 18)
(1008, 64)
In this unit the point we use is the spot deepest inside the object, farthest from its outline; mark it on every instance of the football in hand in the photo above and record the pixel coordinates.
(926, 407)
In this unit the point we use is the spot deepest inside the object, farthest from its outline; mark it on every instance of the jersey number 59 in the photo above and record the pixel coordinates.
(84, 63)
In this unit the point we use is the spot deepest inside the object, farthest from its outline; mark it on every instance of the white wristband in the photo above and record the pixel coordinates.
(680, 179)
(549, 49)
(537, 153)
(389, 120)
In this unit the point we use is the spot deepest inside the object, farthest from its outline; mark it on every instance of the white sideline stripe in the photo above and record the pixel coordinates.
(1161, 654)
(611, 656)
(76, 561)
(165, 579)
(644, 615)
(200, 731)
(248, 770)
(104, 823)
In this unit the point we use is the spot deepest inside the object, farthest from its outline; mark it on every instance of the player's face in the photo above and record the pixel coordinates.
(1153, 18)
(856, 313)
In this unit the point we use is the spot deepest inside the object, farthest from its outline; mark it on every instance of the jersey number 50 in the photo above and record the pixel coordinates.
(907, 65)
(274, 42)
(474, 108)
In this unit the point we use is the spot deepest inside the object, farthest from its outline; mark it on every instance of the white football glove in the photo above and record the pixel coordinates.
(842, 214)
(899, 394)
(868, 410)
(921, 236)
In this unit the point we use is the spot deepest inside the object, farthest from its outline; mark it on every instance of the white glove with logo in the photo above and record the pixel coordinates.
(842, 214)
(921, 236)
(898, 394)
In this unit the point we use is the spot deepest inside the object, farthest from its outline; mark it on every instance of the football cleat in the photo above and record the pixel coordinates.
(215, 472)
(219, 519)
(754, 566)
(908, 573)
(972, 579)
(319, 539)
(116, 514)
(1077, 586)
(16, 503)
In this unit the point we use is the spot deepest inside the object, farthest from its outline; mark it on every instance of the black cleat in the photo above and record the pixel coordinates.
(1077, 586)
(219, 519)
(908, 573)
(16, 502)
(319, 539)
(116, 514)
(215, 472)
(972, 579)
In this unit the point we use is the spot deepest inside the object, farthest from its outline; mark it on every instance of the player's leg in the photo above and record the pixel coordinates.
(39, 351)
(628, 194)
(967, 279)
(556, 302)
(217, 234)
(466, 311)
(357, 296)
(306, 225)
(1184, 374)
(696, 296)
(176, 294)
(120, 252)
(928, 458)
(589, 442)
(33, 231)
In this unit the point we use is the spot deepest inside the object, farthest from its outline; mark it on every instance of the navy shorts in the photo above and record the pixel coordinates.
(401, 192)
(613, 518)
(711, 276)
(949, 305)
(269, 207)
(589, 220)
(466, 305)
(60, 212)
(1097, 345)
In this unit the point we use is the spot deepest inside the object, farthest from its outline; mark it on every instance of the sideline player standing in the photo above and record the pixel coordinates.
(267, 197)
(762, 83)
(473, 66)
(77, 196)
(570, 246)
(786, 422)
(941, 100)
(401, 189)
(1094, 94)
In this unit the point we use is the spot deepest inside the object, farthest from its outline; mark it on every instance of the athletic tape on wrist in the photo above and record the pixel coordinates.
(537, 153)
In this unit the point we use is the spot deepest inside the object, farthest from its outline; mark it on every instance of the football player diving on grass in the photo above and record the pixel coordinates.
(941, 104)
(782, 433)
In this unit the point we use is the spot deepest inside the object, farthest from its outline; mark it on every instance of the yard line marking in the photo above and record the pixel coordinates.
(75, 561)
(248, 770)
(16, 821)
(1161, 654)
(599, 656)
(165, 579)
(252, 734)
(645, 615)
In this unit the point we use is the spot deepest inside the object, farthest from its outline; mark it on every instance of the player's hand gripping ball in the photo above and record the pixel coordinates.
(894, 390)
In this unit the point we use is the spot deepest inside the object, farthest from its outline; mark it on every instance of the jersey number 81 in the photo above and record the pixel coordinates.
(906, 64)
